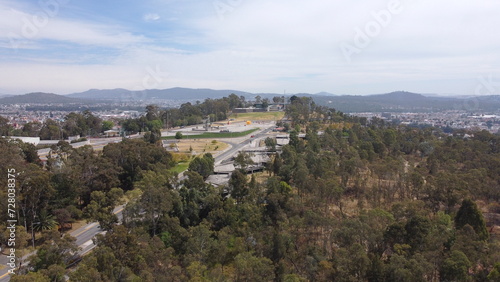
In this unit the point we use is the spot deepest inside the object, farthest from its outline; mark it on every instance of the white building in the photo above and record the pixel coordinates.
(31, 140)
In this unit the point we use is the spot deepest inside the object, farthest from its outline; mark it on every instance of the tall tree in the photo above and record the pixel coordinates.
(5, 127)
(102, 205)
(51, 130)
(455, 268)
(35, 191)
(155, 203)
(471, 215)
(243, 160)
(238, 185)
(56, 250)
(204, 166)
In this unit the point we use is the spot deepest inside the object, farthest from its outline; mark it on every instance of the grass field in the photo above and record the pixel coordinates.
(199, 146)
(180, 167)
(190, 147)
(258, 116)
(212, 135)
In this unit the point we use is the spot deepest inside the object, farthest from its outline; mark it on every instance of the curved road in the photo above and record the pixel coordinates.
(85, 234)
(236, 147)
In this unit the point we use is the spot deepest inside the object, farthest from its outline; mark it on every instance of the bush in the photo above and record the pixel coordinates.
(178, 135)
(79, 140)
(74, 212)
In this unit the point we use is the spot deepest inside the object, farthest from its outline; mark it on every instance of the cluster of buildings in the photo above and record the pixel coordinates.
(21, 117)
(446, 119)
(18, 116)
(273, 107)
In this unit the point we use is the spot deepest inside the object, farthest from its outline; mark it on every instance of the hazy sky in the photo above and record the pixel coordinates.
(342, 47)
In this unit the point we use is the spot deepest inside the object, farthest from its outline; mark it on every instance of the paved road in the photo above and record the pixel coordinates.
(4, 271)
(83, 235)
(240, 144)
(96, 143)
(236, 145)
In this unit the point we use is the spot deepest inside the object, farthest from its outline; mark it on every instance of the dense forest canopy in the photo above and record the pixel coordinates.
(355, 200)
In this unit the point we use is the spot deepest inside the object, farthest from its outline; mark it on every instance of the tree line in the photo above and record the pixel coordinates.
(187, 114)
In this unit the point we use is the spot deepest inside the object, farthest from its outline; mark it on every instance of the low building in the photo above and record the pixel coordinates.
(111, 133)
(218, 179)
(170, 145)
(31, 140)
(248, 110)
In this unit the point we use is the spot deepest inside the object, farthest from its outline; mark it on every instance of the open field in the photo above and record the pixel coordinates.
(197, 146)
(213, 135)
(180, 167)
(258, 116)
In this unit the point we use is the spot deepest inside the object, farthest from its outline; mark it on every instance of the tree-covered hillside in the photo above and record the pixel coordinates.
(355, 200)
(41, 98)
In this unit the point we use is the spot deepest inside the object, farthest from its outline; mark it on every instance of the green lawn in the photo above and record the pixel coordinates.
(180, 167)
(213, 135)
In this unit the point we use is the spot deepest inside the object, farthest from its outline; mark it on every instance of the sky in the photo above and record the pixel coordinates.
(261, 46)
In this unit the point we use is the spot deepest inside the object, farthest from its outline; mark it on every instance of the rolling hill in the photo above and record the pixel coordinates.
(399, 101)
(406, 101)
(177, 93)
(42, 98)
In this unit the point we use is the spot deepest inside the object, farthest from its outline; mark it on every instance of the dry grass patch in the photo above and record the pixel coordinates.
(200, 146)
(258, 116)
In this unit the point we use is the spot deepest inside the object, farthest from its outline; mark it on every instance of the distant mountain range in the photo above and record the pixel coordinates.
(400, 101)
(406, 101)
(177, 93)
(41, 98)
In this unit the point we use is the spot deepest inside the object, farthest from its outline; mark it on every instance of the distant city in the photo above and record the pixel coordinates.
(448, 113)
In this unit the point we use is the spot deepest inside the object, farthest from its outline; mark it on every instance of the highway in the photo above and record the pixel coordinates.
(85, 234)
(238, 146)
(96, 143)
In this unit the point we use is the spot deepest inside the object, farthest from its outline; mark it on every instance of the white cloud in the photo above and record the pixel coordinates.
(447, 41)
(17, 28)
(152, 17)
(268, 46)
(63, 79)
